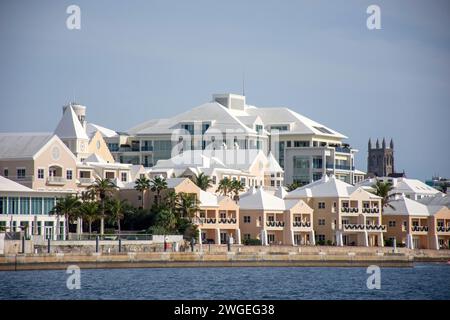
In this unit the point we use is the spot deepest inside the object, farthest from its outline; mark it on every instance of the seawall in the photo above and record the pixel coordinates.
(258, 257)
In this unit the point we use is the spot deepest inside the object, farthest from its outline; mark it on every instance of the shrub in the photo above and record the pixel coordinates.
(252, 242)
(321, 242)
(329, 243)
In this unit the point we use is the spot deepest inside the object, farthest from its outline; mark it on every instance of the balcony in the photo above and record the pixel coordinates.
(349, 210)
(443, 229)
(86, 181)
(421, 229)
(370, 210)
(227, 220)
(340, 167)
(301, 224)
(366, 227)
(59, 181)
(342, 149)
(275, 224)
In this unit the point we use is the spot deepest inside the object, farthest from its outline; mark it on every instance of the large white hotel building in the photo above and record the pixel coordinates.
(305, 149)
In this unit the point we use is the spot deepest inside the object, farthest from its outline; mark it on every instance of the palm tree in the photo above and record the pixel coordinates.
(67, 207)
(236, 187)
(89, 210)
(224, 186)
(383, 190)
(102, 188)
(203, 181)
(117, 209)
(166, 220)
(141, 185)
(188, 205)
(171, 200)
(158, 184)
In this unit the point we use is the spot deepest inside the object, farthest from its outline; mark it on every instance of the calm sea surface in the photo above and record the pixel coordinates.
(423, 281)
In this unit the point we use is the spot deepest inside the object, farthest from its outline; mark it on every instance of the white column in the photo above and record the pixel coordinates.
(78, 226)
(81, 225)
(200, 239)
(366, 239)
(339, 240)
(238, 236)
(102, 226)
(312, 238)
(436, 241)
(381, 240)
(264, 241)
(217, 236)
(409, 241)
(292, 238)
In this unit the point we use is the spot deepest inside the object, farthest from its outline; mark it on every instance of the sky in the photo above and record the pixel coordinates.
(133, 61)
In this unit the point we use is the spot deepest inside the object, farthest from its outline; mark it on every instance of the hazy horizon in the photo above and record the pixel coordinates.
(133, 62)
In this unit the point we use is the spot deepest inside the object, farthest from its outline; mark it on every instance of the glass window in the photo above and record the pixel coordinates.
(123, 176)
(5, 172)
(13, 205)
(21, 173)
(40, 173)
(24, 205)
(2, 205)
(36, 205)
(246, 219)
(321, 205)
(49, 203)
(69, 174)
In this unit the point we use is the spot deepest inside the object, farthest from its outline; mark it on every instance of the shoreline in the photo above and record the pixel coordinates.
(60, 261)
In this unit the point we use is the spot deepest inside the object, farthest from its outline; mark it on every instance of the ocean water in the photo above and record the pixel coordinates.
(423, 281)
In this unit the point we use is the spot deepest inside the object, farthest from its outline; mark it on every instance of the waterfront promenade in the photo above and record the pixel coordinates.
(218, 256)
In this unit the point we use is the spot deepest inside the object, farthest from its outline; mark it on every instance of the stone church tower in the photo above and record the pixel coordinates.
(380, 161)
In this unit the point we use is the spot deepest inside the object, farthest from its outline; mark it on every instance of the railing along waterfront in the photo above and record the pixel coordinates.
(93, 236)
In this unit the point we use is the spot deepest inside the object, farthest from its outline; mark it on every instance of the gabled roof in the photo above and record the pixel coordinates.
(94, 158)
(273, 165)
(281, 193)
(92, 128)
(69, 127)
(258, 199)
(406, 206)
(22, 145)
(208, 199)
(438, 200)
(300, 124)
(9, 185)
(174, 182)
(402, 185)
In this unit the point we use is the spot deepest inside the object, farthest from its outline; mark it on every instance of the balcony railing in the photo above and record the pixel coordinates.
(56, 180)
(349, 210)
(275, 223)
(86, 180)
(362, 227)
(342, 149)
(371, 210)
(339, 166)
(302, 224)
(443, 229)
(227, 220)
(419, 228)
(147, 148)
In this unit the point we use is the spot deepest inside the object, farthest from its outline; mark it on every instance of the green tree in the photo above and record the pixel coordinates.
(203, 181)
(383, 190)
(171, 201)
(90, 211)
(166, 220)
(294, 185)
(236, 188)
(225, 186)
(142, 185)
(67, 207)
(102, 188)
(117, 209)
(157, 185)
(187, 205)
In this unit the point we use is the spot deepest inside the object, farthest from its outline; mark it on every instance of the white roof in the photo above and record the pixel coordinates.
(22, 145)
(92, 128)
(223, 118)
(438, 200)
(273, 165)
(259, 199)
(94, 158)
(403, 185)
(327, 187)
(9, 185)
(69, 126)
(281, 193)
(359, 172)
(173, 182)
(208, 199)
(405, 206)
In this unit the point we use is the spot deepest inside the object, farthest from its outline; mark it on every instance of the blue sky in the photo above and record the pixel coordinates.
(137, 60)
